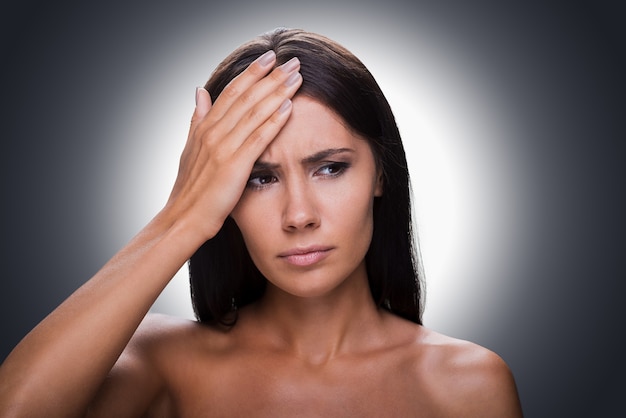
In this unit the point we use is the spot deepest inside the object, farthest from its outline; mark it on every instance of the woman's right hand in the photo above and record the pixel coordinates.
(55, 370)
(226, 138)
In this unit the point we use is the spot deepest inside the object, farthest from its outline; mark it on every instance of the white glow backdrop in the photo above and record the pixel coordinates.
(464, 166)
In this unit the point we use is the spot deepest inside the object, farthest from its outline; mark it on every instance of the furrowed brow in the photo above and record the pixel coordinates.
(264, 166)
(260, 165)
(322, 155)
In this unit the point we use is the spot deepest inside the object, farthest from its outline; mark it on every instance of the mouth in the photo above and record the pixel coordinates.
(307, 256)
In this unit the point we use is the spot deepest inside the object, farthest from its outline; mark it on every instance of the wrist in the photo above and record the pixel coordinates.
(188, 231)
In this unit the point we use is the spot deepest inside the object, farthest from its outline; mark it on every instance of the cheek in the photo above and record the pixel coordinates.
(350, 215)
(253, 218)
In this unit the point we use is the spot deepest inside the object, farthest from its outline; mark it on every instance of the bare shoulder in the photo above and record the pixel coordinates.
(466, 379)
(136, 385)
(157, 329)
(163, 341)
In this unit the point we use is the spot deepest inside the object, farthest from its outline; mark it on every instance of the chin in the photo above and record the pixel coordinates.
(313, 284)
(306, 290)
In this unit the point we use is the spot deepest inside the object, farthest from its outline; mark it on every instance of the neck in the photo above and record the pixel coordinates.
(317, 329)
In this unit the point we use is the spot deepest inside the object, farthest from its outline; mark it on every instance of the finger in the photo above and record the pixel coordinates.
(242, 82)
(203, 106)
(265, 114)
(190, 151)
(203, 103)
(256, 143)
(251, 104)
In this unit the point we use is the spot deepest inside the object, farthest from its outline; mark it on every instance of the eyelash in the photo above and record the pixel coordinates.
(267, 178)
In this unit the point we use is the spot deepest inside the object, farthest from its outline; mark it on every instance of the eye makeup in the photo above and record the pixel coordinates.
(264, 173)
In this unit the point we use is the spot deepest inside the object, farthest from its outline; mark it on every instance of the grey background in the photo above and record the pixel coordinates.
(82, 83)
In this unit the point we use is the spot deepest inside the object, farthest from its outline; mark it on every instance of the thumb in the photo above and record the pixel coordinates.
(203, 104)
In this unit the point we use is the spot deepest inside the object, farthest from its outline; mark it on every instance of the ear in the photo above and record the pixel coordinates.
(378, 191)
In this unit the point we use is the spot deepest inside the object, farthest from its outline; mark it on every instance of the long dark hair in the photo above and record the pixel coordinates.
(222, 275)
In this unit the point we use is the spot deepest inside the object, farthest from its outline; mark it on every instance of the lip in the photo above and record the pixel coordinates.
(305, 256)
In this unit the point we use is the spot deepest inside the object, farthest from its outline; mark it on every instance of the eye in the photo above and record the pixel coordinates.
(333, 169)
(259, 181)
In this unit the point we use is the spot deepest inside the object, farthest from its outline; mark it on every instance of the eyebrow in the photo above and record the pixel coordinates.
(311, 159)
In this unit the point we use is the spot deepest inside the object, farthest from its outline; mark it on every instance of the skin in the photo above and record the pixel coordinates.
(314, 345)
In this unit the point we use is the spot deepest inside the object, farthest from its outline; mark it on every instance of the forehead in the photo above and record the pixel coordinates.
(311, 127)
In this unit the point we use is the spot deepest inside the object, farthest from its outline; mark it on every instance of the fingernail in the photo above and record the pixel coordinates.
(290, 65)
(197, 94)
(293, 79)
(267, 58)
(285, 106)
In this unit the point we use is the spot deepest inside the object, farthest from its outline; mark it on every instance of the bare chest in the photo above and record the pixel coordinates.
(269, 387)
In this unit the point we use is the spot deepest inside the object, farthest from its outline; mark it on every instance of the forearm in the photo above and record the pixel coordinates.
(58, 367)
(61, 362)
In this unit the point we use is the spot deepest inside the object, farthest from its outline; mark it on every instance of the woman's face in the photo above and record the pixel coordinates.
(306, 214)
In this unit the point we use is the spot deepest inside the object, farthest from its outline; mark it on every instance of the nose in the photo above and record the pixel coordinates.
(299, 208)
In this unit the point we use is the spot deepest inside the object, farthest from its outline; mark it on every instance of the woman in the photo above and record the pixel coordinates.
(292, 204)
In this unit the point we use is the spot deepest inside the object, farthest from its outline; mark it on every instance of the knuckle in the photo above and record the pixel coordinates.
(256, 70)
(231, 91)
(257, 136)
(219, 156)
(247, 98)
(282, 92)
(254, 114)
(277, 75)
(208, 137)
